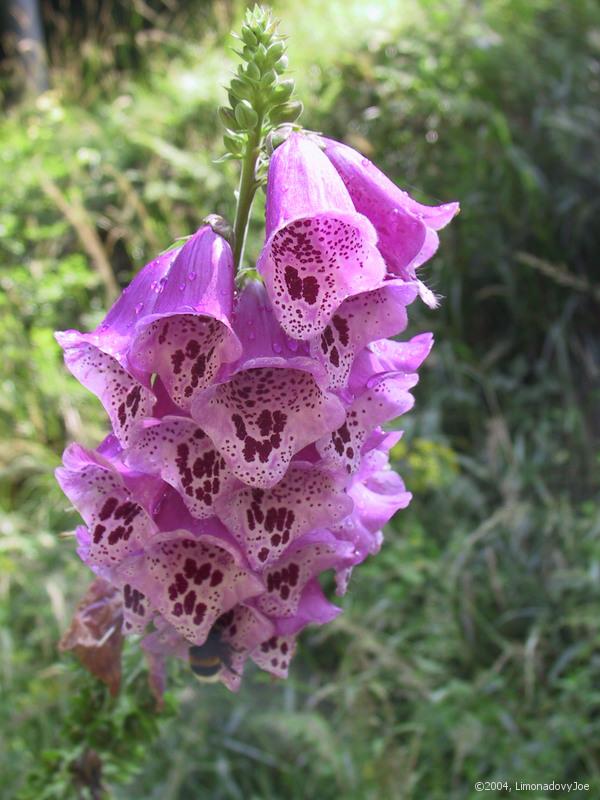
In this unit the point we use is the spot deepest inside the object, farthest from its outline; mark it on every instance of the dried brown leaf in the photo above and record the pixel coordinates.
(95, 634)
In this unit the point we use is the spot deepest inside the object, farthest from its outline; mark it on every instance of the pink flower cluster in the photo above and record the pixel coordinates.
(248, 454)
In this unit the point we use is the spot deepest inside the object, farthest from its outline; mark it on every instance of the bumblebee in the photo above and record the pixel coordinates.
(208, 660)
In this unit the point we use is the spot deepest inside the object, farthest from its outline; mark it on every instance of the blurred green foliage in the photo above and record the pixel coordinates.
(469, 649)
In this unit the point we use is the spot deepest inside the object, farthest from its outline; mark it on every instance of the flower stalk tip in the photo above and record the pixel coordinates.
(260, 99)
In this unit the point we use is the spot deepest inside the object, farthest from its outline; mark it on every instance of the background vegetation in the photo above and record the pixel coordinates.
(469, 649)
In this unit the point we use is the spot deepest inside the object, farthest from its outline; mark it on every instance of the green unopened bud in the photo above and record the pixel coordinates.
(248, 37)
(247, 53)
(275, 51)
(286, 112)
(241, 90)
(219, 225)
(281, 65)
(252, 71)
(260, 55)
(283, 91)
(245, 115)
(260, 100)
(234, 143)
(278, 136)
(268, 79)
(227, 117)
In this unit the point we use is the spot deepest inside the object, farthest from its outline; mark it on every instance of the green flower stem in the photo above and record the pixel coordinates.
(247, 190)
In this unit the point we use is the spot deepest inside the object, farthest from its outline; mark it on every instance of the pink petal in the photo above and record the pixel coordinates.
(285, 580)
(183, 455)
(384, 356)
(186, 351)
(264, 342)
(319, 251)
(124, 398)
(186, 335)
(386, 399)
(312, 265)
(300, 180)
(274, 655)
(190, 581)
(378, 492)
(261, 417)
(118, 524)
(137, 611)
(243, 628)
(266, 521)
(313, 609)
(405, 228)
(358, 321)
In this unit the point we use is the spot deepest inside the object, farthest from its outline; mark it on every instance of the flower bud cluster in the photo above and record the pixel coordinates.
(259, 97)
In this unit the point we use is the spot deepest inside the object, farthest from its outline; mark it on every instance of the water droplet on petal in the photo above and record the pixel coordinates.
(191, 276)
(181, 287)
(252, 336)
(138, 308)
(293, 345)
(276, 347)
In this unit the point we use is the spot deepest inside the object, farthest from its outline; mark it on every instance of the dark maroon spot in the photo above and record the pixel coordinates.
(341, 326)
(240, 427)
(192, 348)
(203, 573)
(293, 282)
(294, 574)
(107, 509)
(189, 602)
(98, 531)
(216, 578)
(189, 568)
(181, 583)
(177, 359)
(265, 422)
(310, 289)
(279, 420)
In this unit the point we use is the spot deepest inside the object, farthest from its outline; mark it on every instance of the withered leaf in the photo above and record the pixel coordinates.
(95, 634)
